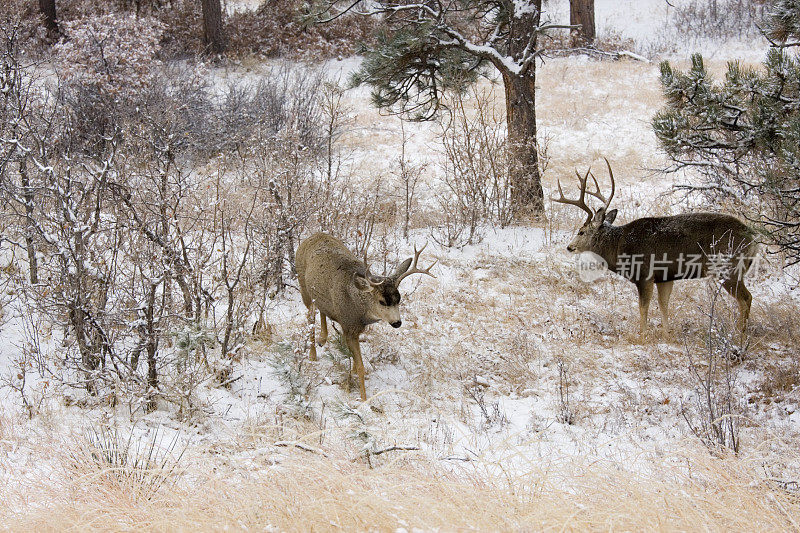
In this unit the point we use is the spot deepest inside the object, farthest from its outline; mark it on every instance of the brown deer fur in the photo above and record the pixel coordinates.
(340, 286)
(659, 250)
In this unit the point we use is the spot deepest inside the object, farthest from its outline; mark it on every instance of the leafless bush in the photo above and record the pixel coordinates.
(718, 19)
(26, 366)
(565, 413)
(715, 412)
(491, 413)
(112, 53)
(274, 29)
(408, 176)
(154, 233)
(476, 170)
(285, 29)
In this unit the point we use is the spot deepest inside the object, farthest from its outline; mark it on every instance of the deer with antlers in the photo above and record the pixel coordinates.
(659, 250)
(339, 285)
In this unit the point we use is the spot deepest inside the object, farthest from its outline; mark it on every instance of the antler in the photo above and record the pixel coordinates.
(581, 201)
(368, 277)
(414, 269)
(597, 193)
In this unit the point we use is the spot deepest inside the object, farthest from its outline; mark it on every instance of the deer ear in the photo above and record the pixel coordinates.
(361, 282)
(611, 216)
(599, 217)
(402, 267)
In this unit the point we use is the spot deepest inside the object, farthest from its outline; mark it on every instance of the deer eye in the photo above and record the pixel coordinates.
(383, 303)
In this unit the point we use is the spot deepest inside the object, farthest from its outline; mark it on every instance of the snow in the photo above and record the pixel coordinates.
(447, 381)
(648, 24)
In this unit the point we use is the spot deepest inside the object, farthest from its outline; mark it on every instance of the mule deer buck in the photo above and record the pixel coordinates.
(660, 250)
(341, 287)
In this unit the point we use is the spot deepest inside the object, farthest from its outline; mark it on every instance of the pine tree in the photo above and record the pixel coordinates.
(428, 48)
(743, 133)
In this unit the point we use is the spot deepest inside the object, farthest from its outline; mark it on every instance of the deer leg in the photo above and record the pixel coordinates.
(358, 364)
(323, 336)
(664, 292)
(736, 288)
(645, 289)
(313, 352)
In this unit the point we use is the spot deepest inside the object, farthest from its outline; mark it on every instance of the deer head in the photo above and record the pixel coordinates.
(381, 294)
(595, 220)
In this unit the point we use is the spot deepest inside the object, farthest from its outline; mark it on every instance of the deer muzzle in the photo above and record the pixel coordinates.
(397, 324)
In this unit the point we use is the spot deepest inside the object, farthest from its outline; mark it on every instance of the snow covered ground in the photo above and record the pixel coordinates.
(506, 363)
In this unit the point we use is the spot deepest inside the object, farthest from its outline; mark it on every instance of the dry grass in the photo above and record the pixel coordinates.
(509, 324)
(586, 110)
(307, 492)
(781, 378)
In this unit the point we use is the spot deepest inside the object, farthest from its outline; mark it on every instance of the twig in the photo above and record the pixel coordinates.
(591, 51)
(395, 449)
(304, 447)
(456, 458)
(231, 381)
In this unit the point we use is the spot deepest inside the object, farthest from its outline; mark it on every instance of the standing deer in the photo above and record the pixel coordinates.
(660, 250)
(334, 281)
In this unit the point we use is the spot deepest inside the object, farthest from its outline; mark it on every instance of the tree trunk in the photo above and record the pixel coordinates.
(48, 10)
(152, 349)
(213, 35)
(526, 183)
(581, 12)
(520, 90)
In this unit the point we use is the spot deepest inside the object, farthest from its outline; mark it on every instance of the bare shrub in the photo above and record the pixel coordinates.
(287, 29)
(476, 169)
(274, 29)
(23, 19)
(113, 54)
(492, 414)
(408, 176)
(138, 206)
(715, 412)
(718, 19)
(27, 367)
(564, 413)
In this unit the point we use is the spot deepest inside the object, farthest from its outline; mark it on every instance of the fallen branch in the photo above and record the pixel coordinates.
(231, 381)
(396, 449)
(456, 458)
(637, 57)
(591, 51)
(304, 447)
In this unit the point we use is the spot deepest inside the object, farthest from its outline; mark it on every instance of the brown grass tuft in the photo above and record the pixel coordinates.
(308, 492)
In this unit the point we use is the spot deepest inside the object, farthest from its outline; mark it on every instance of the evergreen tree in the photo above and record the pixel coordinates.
(428, 48)
(743, 133)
